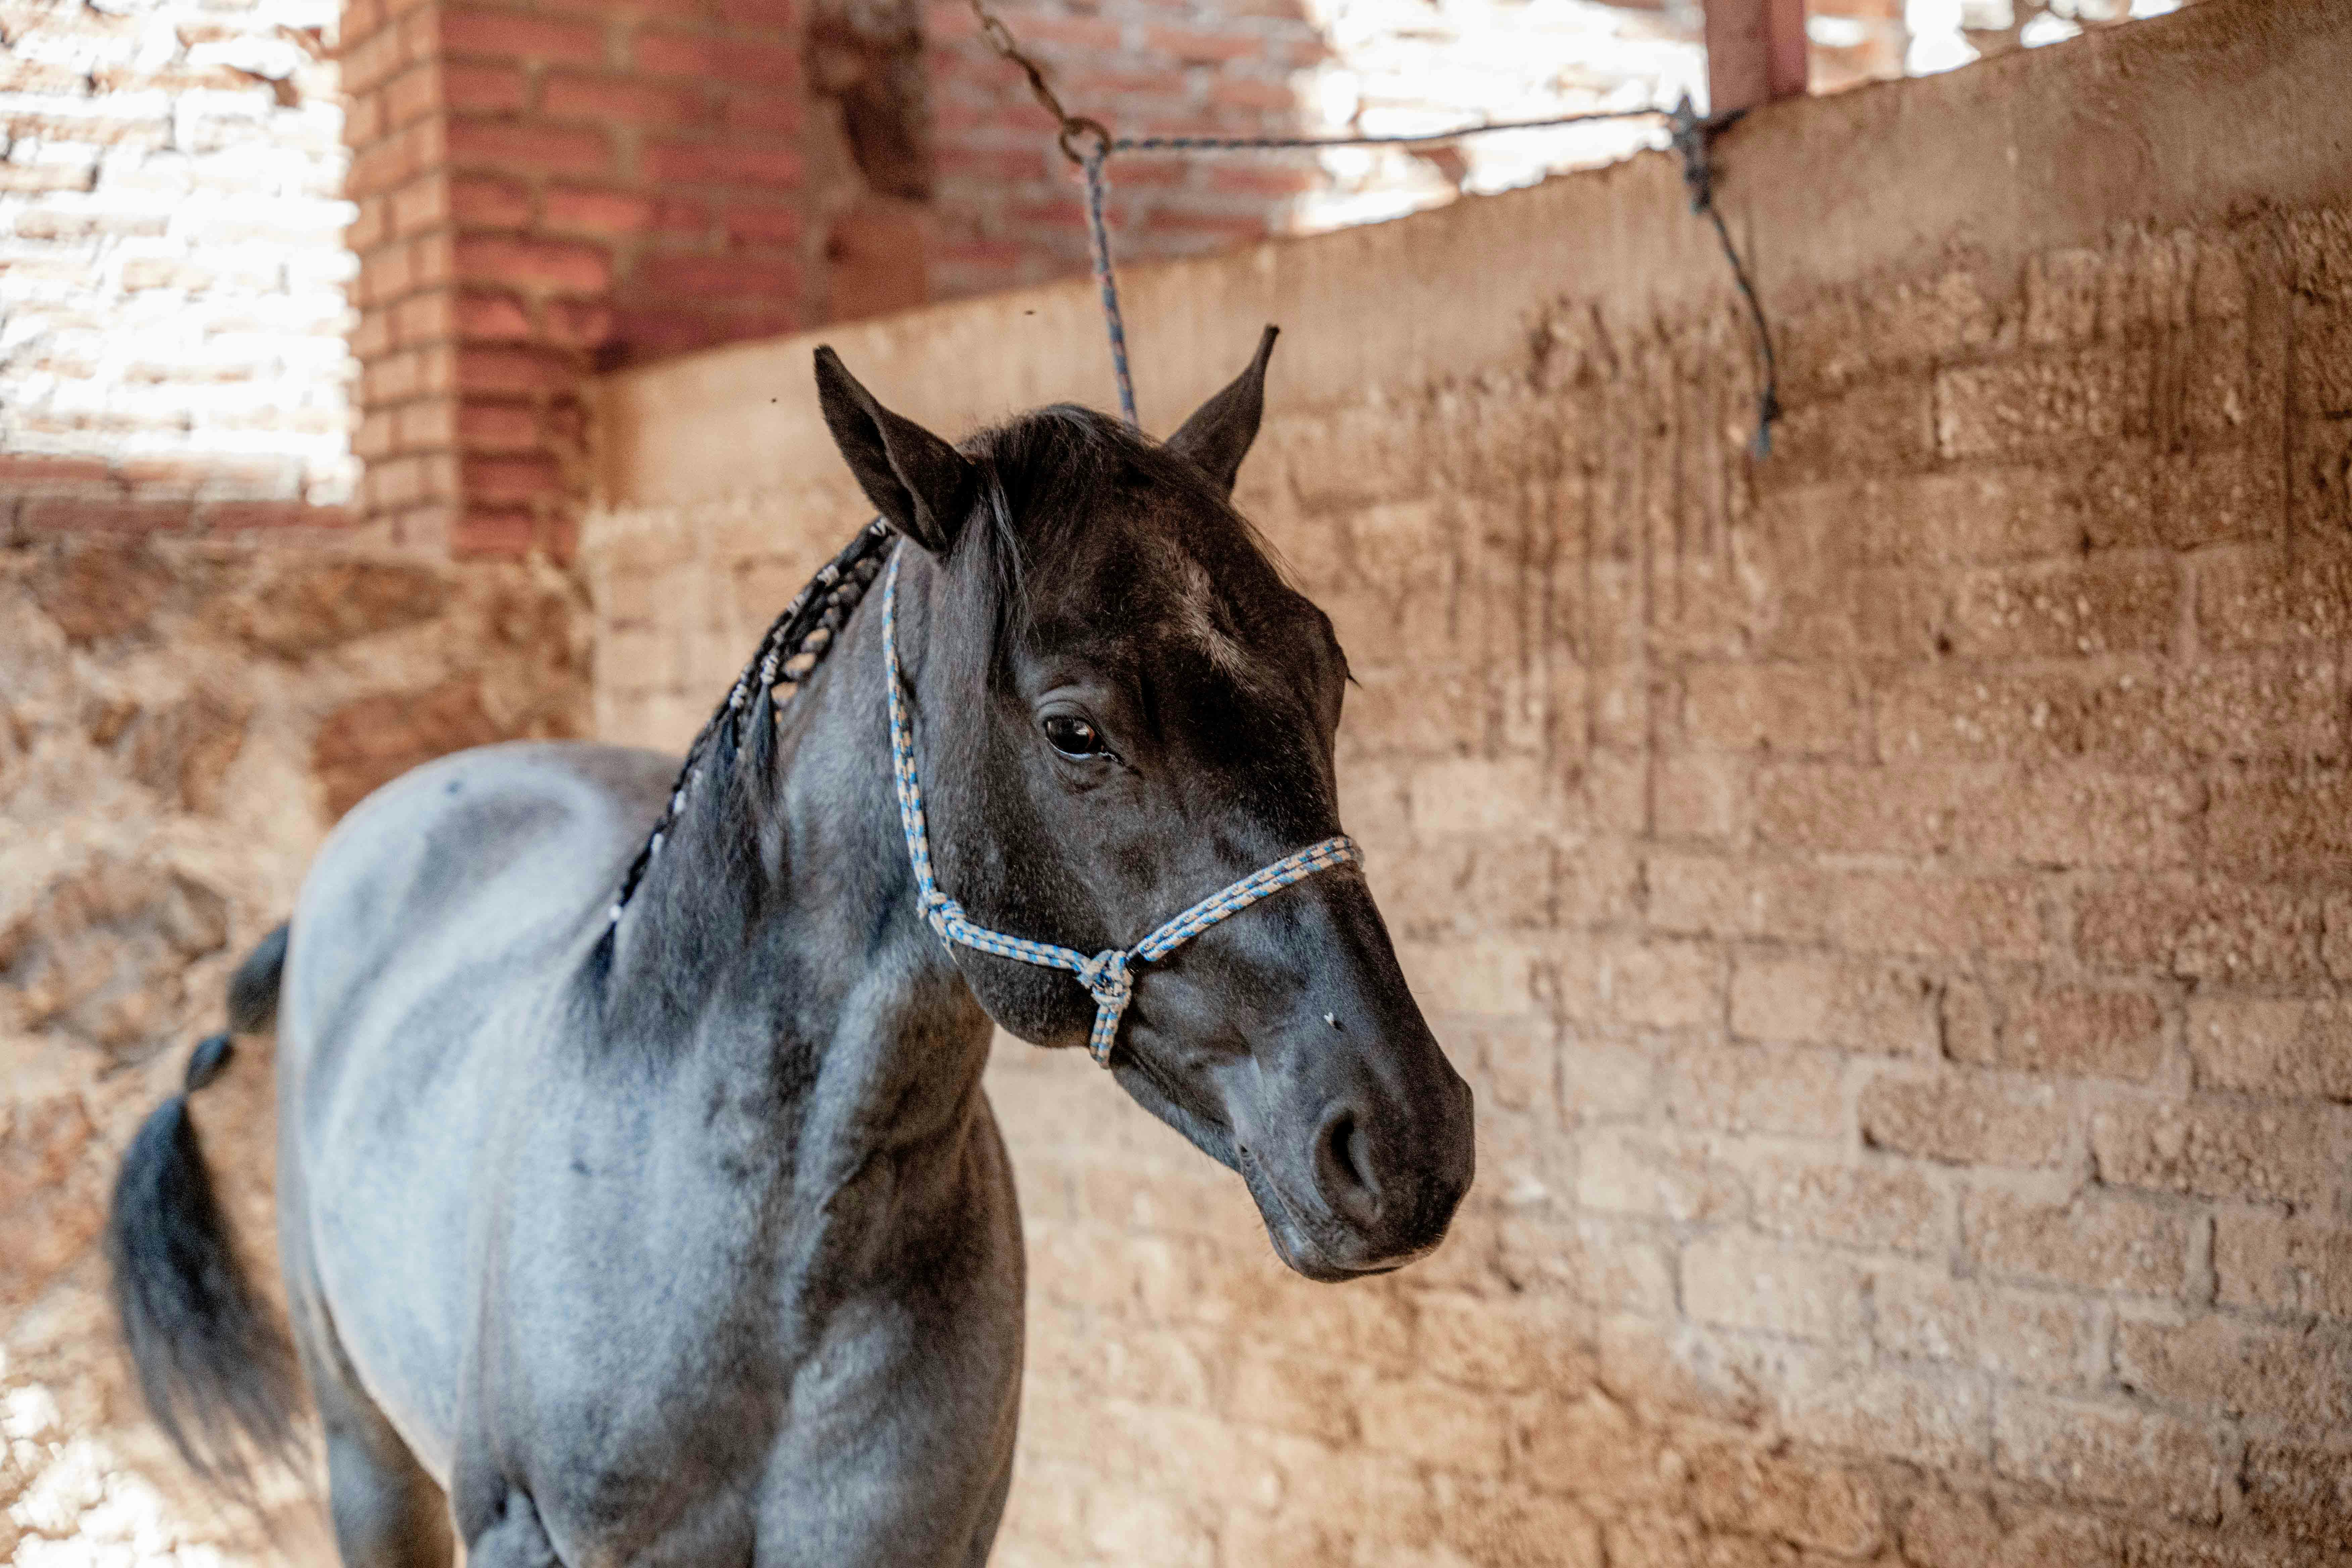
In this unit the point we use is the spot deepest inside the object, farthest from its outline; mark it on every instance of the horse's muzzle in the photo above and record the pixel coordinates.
(1375, 1183)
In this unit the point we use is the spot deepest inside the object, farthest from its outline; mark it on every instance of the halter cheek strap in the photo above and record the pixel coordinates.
(1109, 975)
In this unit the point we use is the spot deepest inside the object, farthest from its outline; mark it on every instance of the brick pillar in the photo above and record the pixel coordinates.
(543, 194)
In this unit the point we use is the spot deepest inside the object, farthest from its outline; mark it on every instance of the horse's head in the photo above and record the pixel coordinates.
(1120, 708)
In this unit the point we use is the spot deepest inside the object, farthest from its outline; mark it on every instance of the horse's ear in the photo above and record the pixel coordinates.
(923, 487)
(1219, 433)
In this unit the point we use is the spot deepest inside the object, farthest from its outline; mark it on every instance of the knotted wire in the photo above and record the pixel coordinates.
(1398, 139)
(1108, 975)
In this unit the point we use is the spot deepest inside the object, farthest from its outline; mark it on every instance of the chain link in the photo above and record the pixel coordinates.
(1001, 41)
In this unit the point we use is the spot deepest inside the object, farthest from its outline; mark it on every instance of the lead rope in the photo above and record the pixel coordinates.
(1109, 975)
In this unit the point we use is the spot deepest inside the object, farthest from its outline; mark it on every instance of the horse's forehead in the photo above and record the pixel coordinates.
(1202, 618)
(1204, 590)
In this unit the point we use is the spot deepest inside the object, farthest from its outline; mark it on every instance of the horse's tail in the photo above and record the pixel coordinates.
(253, 989)
(212, 1355)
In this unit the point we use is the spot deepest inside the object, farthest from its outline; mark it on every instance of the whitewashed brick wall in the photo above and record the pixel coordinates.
(171, 266)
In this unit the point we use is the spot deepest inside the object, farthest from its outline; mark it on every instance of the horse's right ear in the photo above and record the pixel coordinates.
(1219, 433)
(923, 487)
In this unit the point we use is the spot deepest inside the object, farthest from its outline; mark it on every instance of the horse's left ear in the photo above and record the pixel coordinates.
(1219, 433)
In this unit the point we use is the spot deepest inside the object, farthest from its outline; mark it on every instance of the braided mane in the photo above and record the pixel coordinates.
(794, 644)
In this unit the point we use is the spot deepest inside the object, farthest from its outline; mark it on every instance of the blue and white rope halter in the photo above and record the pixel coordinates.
(1109, 975)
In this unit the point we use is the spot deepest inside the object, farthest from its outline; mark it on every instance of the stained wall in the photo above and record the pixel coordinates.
(1893, 897)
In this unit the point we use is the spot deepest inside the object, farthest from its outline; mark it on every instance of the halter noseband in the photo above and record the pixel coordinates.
(1108, 976)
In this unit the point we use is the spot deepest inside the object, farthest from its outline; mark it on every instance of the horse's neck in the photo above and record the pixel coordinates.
(773, 948)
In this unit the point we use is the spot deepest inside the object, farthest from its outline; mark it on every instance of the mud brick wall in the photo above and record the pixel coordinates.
(1893, 898)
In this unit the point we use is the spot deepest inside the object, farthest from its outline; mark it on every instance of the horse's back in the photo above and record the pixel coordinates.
(484, 862)
(434, 938)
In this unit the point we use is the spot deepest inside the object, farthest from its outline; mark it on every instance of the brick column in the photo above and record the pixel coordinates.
(543, 194)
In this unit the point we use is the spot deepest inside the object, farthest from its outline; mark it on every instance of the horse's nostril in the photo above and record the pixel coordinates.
(1345, 1145)
(1343, 1166)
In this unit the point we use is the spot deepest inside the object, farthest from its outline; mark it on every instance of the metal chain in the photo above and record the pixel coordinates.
(1001, 41)
(1088, 144)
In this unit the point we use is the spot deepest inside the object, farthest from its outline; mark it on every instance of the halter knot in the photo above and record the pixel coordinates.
(1108, 979)
(1109, 975)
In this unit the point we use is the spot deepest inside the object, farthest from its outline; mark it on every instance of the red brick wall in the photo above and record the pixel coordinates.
(545, 188)
(541, 192)
(1008, 202)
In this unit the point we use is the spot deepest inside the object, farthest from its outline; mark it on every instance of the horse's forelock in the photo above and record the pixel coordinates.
(1059, 472)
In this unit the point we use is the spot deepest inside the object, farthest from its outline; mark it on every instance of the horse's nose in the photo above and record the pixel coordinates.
(1397, 1178)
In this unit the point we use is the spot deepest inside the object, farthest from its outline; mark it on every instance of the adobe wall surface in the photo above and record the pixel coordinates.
(1893, 898)
(179, 723)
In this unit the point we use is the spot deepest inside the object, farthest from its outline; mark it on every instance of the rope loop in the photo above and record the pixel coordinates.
(1085, 125)
(941, 910)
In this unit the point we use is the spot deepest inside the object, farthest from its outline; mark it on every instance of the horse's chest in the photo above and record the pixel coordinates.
(860, 1448)
(649, 1449)
(723, 1372)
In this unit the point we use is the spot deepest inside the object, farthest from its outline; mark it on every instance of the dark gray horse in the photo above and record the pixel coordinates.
(674, 1228)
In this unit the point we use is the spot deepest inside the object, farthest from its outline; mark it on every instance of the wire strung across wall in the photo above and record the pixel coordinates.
(1088, 144)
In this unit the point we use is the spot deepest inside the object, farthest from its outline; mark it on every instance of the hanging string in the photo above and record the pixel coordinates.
(1407, 139)
(1090, 164)
(1089, 145)
(1692, 136)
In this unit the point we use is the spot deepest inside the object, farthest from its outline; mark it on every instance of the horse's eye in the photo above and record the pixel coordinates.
(1073, 737)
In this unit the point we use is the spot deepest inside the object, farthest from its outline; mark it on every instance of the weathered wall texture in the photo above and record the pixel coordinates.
(1894, 899)
(178, 724)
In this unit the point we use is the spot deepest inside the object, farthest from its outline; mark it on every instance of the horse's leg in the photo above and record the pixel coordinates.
(513, 1540)
(388, 1512)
